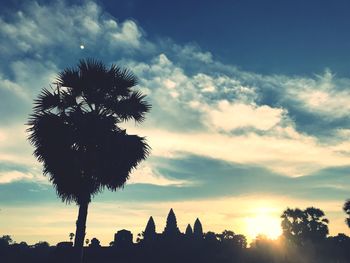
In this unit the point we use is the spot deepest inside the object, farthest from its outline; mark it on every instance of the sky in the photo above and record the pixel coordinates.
(250, 103)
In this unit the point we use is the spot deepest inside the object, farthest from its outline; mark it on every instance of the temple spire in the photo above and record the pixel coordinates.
(171, 228)
(197, 229)
(150, 230)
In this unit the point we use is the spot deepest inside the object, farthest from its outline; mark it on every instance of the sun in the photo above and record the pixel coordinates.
(265, 222)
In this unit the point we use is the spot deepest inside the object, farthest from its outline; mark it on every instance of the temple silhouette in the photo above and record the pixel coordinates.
(171, 232)
(312, 245)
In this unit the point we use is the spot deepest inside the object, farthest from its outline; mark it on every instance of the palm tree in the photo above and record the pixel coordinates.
(75, 131)
(304, 225)
(346, 209)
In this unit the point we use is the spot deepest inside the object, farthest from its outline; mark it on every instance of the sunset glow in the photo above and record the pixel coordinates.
(264, 222)
(245, 108)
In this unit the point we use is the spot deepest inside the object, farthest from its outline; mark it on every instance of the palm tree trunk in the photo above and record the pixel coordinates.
(80, 231)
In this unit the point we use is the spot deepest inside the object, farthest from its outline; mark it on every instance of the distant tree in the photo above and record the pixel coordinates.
(71, 236)
(95, 242)
(140, 237)
(304, 225)
(197, 229)
(41, 245)
(22, 245)
(210, 236)
(87, 241)
(293, 224)
(228, 237)
(339, 239)
(75, 130)
(260, 241)
(317, 224)
(5, 241)
(346, 209)
(150, 230)
(240, 241)
(171, 228)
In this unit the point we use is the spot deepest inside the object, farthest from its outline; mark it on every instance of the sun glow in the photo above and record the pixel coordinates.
(264, 221)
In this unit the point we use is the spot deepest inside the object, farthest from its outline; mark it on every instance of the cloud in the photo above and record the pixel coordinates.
(50, 26)
(228, 116)
(200, 105)
(12, 176)
(145, 174)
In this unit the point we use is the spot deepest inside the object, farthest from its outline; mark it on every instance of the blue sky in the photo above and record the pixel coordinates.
(250, 110)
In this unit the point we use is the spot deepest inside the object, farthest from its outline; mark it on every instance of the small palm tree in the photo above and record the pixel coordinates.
(346, 209)
(75, 131)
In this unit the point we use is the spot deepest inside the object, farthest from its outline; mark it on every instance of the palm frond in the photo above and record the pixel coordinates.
(46, 100)
(70, 78)
(133, 107)
(123, 80)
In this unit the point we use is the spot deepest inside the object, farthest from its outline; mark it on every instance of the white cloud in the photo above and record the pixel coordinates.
(146, 175)
(285, 151)
(230, 116)
(14, 88)
(9, 177)
(129, 34)
(38, 26)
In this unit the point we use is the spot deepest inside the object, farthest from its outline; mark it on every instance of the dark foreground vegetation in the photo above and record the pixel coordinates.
(333, 249)
(304, 240)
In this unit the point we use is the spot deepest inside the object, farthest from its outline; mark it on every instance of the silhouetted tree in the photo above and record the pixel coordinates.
(346, 209)
(150, 230)
(71, 236)
(171, 228)
(228, 237)
(140, 237)
(74, 129)
(95, 243)
(293, 224)
(301, 225)
(210, 236)
(41, 245)
(5, 240)
(87, 241)
(317, 225)
(197, 229)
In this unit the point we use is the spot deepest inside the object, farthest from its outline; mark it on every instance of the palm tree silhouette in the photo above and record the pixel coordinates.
(71, 236)
(75, 131)
(346, 209)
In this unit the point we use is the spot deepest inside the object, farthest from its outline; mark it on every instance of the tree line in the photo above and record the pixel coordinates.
(305, 238)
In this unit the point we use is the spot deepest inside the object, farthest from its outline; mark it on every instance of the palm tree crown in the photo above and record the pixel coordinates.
(346, 209)
(74, 129)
